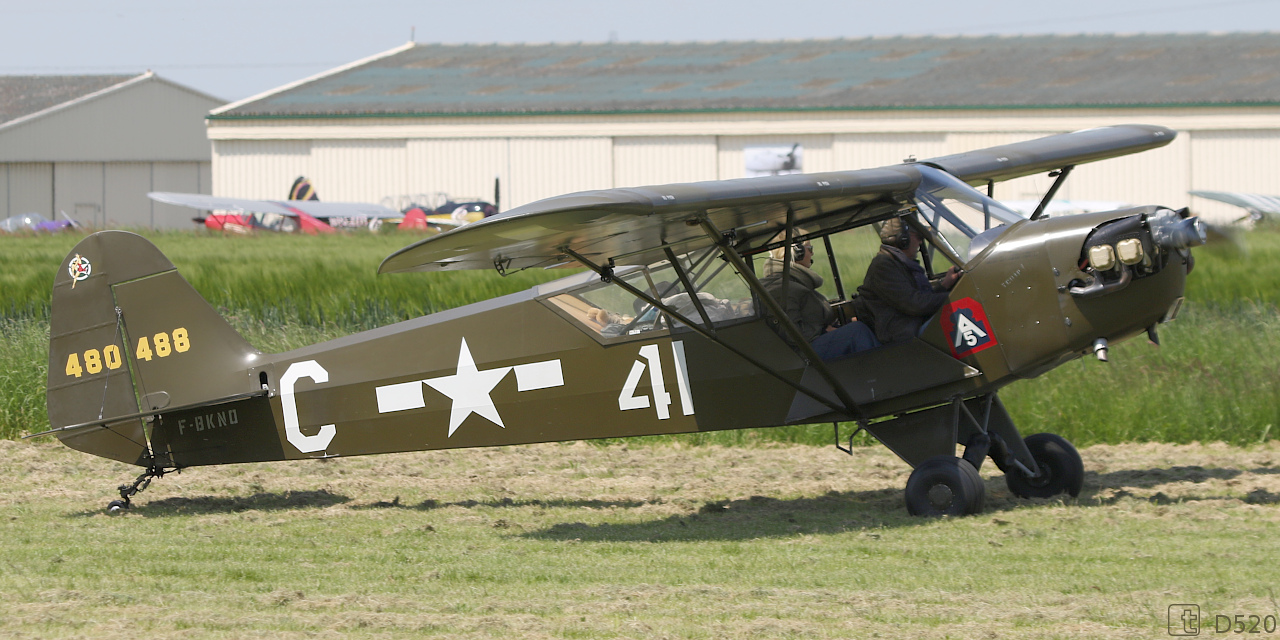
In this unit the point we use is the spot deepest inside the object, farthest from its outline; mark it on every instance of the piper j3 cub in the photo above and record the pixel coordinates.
(668, 331)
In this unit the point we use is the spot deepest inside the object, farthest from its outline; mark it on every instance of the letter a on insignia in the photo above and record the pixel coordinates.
(966, 325)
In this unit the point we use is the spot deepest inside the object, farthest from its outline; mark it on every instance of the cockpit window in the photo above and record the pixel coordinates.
(607, 311)
(958, 211)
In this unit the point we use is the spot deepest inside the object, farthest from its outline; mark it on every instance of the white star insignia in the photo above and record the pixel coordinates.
(469, 389)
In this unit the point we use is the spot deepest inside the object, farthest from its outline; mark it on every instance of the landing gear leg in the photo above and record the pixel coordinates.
(127, 491)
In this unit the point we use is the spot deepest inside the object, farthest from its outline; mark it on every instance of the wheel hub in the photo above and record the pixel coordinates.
(940, 496)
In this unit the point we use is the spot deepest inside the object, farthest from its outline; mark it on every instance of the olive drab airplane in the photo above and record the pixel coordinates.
(668, 330)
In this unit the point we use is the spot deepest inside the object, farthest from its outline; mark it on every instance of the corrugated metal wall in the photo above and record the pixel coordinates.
(545, 167)
(102, 194)
(81, 191)
(870, 150)
(29, 188)
(260, 168)
(1161, 176)
(357, 170)
(663, 160)
(1240, 160)
(462, 169)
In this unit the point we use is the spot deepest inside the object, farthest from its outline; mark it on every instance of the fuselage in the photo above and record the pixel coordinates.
(529, 367)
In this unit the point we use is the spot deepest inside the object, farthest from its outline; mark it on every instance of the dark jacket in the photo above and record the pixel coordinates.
(896, 297)
(803, 304)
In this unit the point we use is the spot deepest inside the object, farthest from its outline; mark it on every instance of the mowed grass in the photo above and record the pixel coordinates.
(580, 541)
(1214, 378)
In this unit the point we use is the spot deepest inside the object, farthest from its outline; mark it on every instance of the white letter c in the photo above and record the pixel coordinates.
(304, 443)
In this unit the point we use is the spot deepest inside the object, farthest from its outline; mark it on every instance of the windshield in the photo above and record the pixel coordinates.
(958, 211)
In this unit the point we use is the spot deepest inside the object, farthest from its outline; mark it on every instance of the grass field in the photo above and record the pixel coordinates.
(582, 541)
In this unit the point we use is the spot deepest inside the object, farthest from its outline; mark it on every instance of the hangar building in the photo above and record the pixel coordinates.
(554, 118)
(93, 146)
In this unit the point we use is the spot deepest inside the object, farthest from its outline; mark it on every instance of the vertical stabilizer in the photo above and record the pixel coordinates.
(129, 335)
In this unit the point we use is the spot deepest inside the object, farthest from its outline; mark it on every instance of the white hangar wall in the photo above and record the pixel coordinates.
(387, 160)
(95, 158)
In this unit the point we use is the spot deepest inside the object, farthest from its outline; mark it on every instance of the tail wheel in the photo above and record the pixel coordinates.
(1061, 470)
(944, 485)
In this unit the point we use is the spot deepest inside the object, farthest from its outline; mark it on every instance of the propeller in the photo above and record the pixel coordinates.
(1180, 229)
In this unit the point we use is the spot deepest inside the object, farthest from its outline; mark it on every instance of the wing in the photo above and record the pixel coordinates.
(1006, 162)
(314, 208)
(635, 226)
(1251, 202)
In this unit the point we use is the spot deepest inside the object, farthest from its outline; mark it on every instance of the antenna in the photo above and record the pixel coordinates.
(411, 30)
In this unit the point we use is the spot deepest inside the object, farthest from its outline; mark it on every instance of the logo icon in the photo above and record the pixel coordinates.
(1184, 619)
(965, 323)
(79, 269)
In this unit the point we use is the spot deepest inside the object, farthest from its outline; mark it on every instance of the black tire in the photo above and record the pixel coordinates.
(116, 506)
(1061, 469)
(979, 487)
(944, 485)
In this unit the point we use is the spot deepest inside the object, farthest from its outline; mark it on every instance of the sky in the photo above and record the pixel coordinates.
(234, 49)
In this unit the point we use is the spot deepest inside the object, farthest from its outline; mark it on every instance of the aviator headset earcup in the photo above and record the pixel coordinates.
(797, 252)
(904, 237)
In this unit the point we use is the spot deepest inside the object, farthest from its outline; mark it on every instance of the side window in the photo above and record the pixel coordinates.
(607, 311)
(721, 293)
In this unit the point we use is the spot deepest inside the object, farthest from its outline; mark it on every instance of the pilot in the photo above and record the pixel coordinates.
(809, 309)
(896, 297)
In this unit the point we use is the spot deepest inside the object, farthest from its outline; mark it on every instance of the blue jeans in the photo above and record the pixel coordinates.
(847, 340)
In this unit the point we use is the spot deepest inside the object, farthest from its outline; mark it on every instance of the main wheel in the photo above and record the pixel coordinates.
(1061, 470)
(116, 506)
(944, 485)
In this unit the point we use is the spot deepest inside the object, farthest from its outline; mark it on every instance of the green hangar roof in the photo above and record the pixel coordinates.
(874, 73)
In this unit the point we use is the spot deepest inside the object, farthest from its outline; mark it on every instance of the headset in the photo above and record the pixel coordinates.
(798, 252)
(901, 239)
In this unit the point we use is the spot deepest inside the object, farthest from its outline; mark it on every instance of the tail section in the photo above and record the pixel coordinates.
(302, 190)
(130, 337)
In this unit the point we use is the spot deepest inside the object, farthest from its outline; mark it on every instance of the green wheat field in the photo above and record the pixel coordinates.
(741, 534)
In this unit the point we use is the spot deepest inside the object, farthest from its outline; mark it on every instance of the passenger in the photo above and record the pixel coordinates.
(896, 297)
(808, 308)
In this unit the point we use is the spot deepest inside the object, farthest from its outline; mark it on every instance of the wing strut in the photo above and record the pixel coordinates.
(850, 408)
(606, 275)
(1053, 190)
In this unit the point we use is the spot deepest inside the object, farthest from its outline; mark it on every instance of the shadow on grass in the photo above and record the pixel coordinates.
(839, 512)
(428, 505)
(1146, 478)
(233, 504)
(755, 517)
